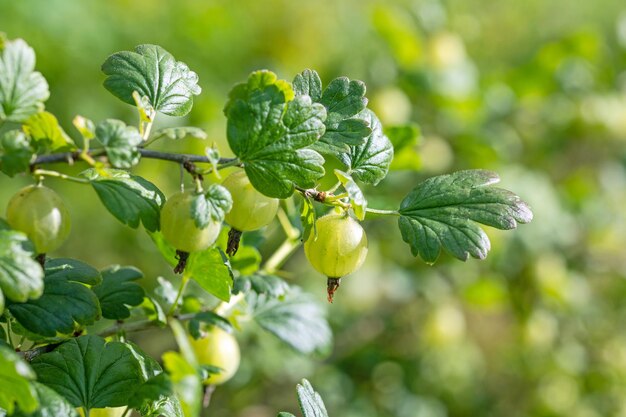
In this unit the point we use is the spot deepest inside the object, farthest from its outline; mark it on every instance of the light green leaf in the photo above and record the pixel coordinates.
(357, 199)
(22, 89)
(118, 291)
(311, 403)
(443, 211)
(295, 318)
(270, 285)
(187, 382)
(153, 72)
(51, 404)
(267, 132)
(15, 380)
(308, 83)
(120, 142)
(85, 127)
(179, 133)
(21, 277)
(15, 152)
(46, 134)
(66, 301)
(130, 198)
(89, 372)
(369, 162)
(211, 270)
(211, 205)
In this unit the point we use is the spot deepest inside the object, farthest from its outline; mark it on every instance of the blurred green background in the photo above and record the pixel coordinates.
(535, 90)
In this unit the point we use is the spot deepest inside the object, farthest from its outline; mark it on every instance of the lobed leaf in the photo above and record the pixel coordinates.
(120, 142)
(211, 270)
(66, 300)
(15, 380)
(268, 129)
(443, 212)
(46, 134)
(21, 277)
(15, 152)
(154, 73)
(22, 89)
(211, 205)
(90, 372)
(118, 290)
(369, 162)
(130, 198)
(311, 403)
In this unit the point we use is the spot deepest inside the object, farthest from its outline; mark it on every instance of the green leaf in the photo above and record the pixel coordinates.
(187, 382)
(311, 403)
(263, 284)
(118, 291)
(21, 277)
(211, 270)
(85, 127)
(210, 318)
(443, 211)
(369, 162)
(51, 404)
(357, 199)
(66, 300)
(308, 217)
(89, 372)
(120, 142)
(15, 152)
(295, 318)
(153, 72)
(129, 198)
(46, 134)
(268, 131)
(308, 83)
(343, 100)
(179, 133)
(151, 391)
(15, 380)
(211, 205)
(22, 89)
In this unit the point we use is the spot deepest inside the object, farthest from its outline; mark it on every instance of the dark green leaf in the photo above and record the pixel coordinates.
(129, 198)
(66, 300)
(178, 133)
(118, 291)
(267, 131)
(308, 83)
(21, 277)
(308, 217)
(343, 98)
(443, 211)
(340, 135)
(46, 134)
(357, 199)
(120, 142)
(295, 318)
(211, 205)
(211, 270)
(152, 72)
(210, 318)
(15, 380)
(370, 161)
(89, 372)
(51, 404)
(22, 89)
(150, 391)
(15, 152)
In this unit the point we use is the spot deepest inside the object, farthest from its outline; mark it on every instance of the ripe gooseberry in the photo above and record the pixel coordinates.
(251, 209)
(339, 248)
(218, 348)
(40, 213)
(180, 230)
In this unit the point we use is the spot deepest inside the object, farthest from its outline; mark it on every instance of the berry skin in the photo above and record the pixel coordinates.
(40, 213)
(339, 249)
(251, 209)
(218, 348)
(179, 228)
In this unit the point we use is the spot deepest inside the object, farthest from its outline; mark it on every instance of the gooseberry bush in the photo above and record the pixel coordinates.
(66, 327)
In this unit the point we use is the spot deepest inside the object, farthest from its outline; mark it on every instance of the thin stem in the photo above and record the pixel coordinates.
(146, 132)
(383, 212)
(281, 255)
(181, 289)
(9, 331)
(126, 411)
(291, 232)
(208, 393)
(55, 174)
(140, 325)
